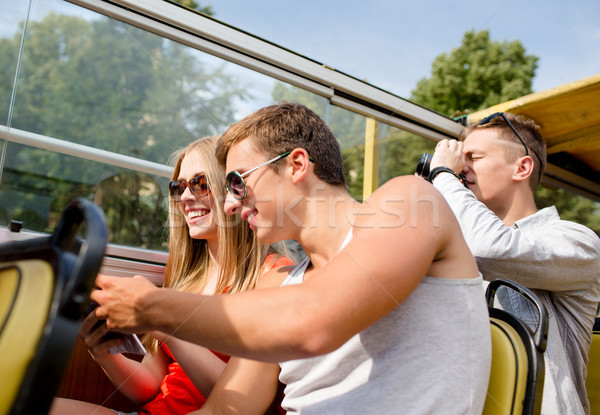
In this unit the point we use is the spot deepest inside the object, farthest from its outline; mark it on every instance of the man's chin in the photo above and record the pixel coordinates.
(266, 235)
(477, 194)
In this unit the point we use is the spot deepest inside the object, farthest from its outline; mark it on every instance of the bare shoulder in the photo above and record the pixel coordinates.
(404, 200)
(413, 215)
(409, 186)
(274, 277)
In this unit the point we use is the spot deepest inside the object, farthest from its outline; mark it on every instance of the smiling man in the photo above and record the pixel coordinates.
(502, 159)
(385, 314)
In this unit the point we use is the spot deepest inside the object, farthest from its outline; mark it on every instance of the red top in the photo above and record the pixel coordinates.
(178, 395)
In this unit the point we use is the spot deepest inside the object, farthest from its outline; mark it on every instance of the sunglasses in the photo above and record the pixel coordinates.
(198, 185)
(501, 114)
(234, 182)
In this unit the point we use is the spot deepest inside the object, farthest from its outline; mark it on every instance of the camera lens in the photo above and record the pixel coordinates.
(423, 165)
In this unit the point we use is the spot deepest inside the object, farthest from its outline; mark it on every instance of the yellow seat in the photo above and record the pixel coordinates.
(26, 289)
(592, 382)
(517, 372)
(44, 289)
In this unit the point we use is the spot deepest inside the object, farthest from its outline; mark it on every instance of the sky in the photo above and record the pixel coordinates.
(392, 43)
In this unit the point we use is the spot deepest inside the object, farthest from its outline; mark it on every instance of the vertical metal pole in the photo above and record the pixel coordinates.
(371, 167)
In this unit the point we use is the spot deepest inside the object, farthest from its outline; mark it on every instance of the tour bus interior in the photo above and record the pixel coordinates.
(133, 80)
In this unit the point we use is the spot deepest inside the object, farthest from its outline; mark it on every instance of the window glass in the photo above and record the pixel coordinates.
(38, 184)
(346, 126)
(108, 85)
(88, 79)
(12, 14)
(399, 151)
(349, 129)
(91, 80)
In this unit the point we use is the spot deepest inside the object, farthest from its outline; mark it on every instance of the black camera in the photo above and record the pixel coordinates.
(423, 165)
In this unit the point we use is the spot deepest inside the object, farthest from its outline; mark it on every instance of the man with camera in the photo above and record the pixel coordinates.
(501, 161)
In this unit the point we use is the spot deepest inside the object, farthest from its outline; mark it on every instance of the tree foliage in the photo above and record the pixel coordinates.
(113, 87)
(118, 88)
(477, 74)
(193, 4)
(571, 207)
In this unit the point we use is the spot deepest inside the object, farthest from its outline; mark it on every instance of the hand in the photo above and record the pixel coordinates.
(121, 302)
(449, 153)
(92, 332)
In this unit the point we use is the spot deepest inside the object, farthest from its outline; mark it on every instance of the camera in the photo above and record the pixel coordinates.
(423, 165)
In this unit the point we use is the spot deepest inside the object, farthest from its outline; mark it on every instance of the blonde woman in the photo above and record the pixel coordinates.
(209, 253)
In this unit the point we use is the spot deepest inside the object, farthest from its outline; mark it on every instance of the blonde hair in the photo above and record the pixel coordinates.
(240, 254)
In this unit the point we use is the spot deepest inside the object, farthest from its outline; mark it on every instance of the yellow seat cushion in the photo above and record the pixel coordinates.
(26, 289)
(592, 381)
(508, 376)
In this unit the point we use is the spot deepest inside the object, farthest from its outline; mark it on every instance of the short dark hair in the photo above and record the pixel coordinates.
(280, 128)
(529, 131)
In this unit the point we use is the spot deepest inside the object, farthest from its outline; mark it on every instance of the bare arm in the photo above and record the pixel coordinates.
(359, 286)
(139, 381)
(565, 253)
(246, 387)
(201, 365)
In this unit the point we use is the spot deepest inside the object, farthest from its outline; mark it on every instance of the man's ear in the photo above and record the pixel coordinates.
(523, 168)
(299, 161)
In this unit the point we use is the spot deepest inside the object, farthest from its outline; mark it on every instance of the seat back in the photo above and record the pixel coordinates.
(44, 289)
(517, 372)
(592, 382)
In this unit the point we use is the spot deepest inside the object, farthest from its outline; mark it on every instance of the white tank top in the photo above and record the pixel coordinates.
(431, 354)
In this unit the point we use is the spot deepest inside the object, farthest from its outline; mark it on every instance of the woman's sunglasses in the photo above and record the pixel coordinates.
(198, 185)
(235, 181)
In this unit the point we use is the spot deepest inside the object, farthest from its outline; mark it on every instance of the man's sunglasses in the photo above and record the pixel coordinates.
(501, 114)
(198, 185)
(235, 181)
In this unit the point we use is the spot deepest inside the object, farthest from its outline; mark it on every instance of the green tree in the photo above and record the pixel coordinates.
(571, 207)
(110, 86)
(118, 88)
(192, 4)
(477, 74)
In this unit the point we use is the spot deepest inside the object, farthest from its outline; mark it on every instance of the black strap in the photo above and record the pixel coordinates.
(437, 170)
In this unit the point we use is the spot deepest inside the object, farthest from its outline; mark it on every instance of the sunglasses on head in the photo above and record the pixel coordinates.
(234, 182)
(501, 114)
(198, 185)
